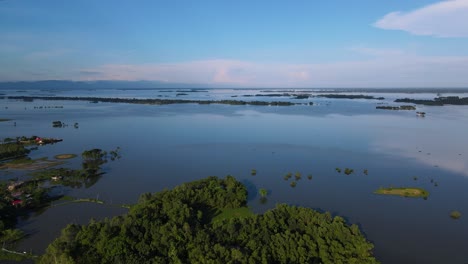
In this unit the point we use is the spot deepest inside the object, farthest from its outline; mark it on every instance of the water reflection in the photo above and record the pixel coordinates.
(431, 143)
(168, 145)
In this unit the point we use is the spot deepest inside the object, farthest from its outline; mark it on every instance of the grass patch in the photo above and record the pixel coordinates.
(88, 200)
(65, 156)
(404, 191)
(24, 160)
(15, 256)
(228, 213)
(66, 198)
(455, 215)
(29, 164)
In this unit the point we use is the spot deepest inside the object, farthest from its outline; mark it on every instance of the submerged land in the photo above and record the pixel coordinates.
(149, 101)
(198, 218)
(404, 192)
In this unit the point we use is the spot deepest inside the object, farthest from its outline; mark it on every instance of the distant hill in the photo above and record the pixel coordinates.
(64, 84)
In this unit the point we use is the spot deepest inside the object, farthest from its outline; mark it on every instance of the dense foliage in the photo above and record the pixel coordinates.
(150, 101)
(8, 234)
(438, 101)
(175, 226)
(349, 96)
(12, 150)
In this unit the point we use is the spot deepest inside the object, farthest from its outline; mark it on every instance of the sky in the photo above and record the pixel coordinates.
(301, 43)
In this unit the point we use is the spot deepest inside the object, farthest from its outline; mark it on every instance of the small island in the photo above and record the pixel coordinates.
(207, 221)
(65, 156)
(404, 192)
(148, 101)
(438, 101)
(401, 107)
(349, 96)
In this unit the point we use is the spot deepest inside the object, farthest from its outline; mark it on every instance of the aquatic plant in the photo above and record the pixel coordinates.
(455, 215)
(298, 176)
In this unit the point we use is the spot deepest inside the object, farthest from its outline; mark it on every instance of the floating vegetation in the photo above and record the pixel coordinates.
(253, 172)
(415, 178)
(288, 176)
(293, 184)
(309, 176)
(263, 192)
(57, 124)
(366, 172)
(348, 171)
(455, 215)
(115, 154)
(404, 191)
(298, 176)
(338, 170)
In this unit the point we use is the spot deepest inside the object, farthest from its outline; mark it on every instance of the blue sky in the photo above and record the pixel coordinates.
(361, 43)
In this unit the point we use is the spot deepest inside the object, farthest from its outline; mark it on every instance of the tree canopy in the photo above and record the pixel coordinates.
(175, 226)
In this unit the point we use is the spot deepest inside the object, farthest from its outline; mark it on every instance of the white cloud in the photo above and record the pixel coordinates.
(398, 70)
(442, 19)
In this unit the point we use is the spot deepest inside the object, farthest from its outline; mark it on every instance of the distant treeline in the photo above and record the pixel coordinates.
(438, 101)
(401, 107)
(349, 96)
(148, 101)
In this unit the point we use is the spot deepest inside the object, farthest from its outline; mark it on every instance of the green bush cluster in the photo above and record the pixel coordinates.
(174, 226)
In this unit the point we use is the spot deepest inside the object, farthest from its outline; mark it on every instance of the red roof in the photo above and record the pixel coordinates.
(16, 202)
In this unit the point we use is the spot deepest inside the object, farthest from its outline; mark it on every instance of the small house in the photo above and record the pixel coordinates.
(17, 202)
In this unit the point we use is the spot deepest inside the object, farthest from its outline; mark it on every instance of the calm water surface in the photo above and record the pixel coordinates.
(163, 146)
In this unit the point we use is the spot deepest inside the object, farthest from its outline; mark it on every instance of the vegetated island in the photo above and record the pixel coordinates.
(180, 226)
(438, 101)
(149, 101)
(65, 156)
(404, 191)
(401, 107)
(21, 197)
(14, 152)
(349, 96)
(455, 215)
(292, 95)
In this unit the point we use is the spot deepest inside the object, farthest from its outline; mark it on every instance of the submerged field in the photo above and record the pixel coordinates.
(166, 145)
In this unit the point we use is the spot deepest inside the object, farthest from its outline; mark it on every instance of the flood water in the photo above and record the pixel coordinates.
(163, 146)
